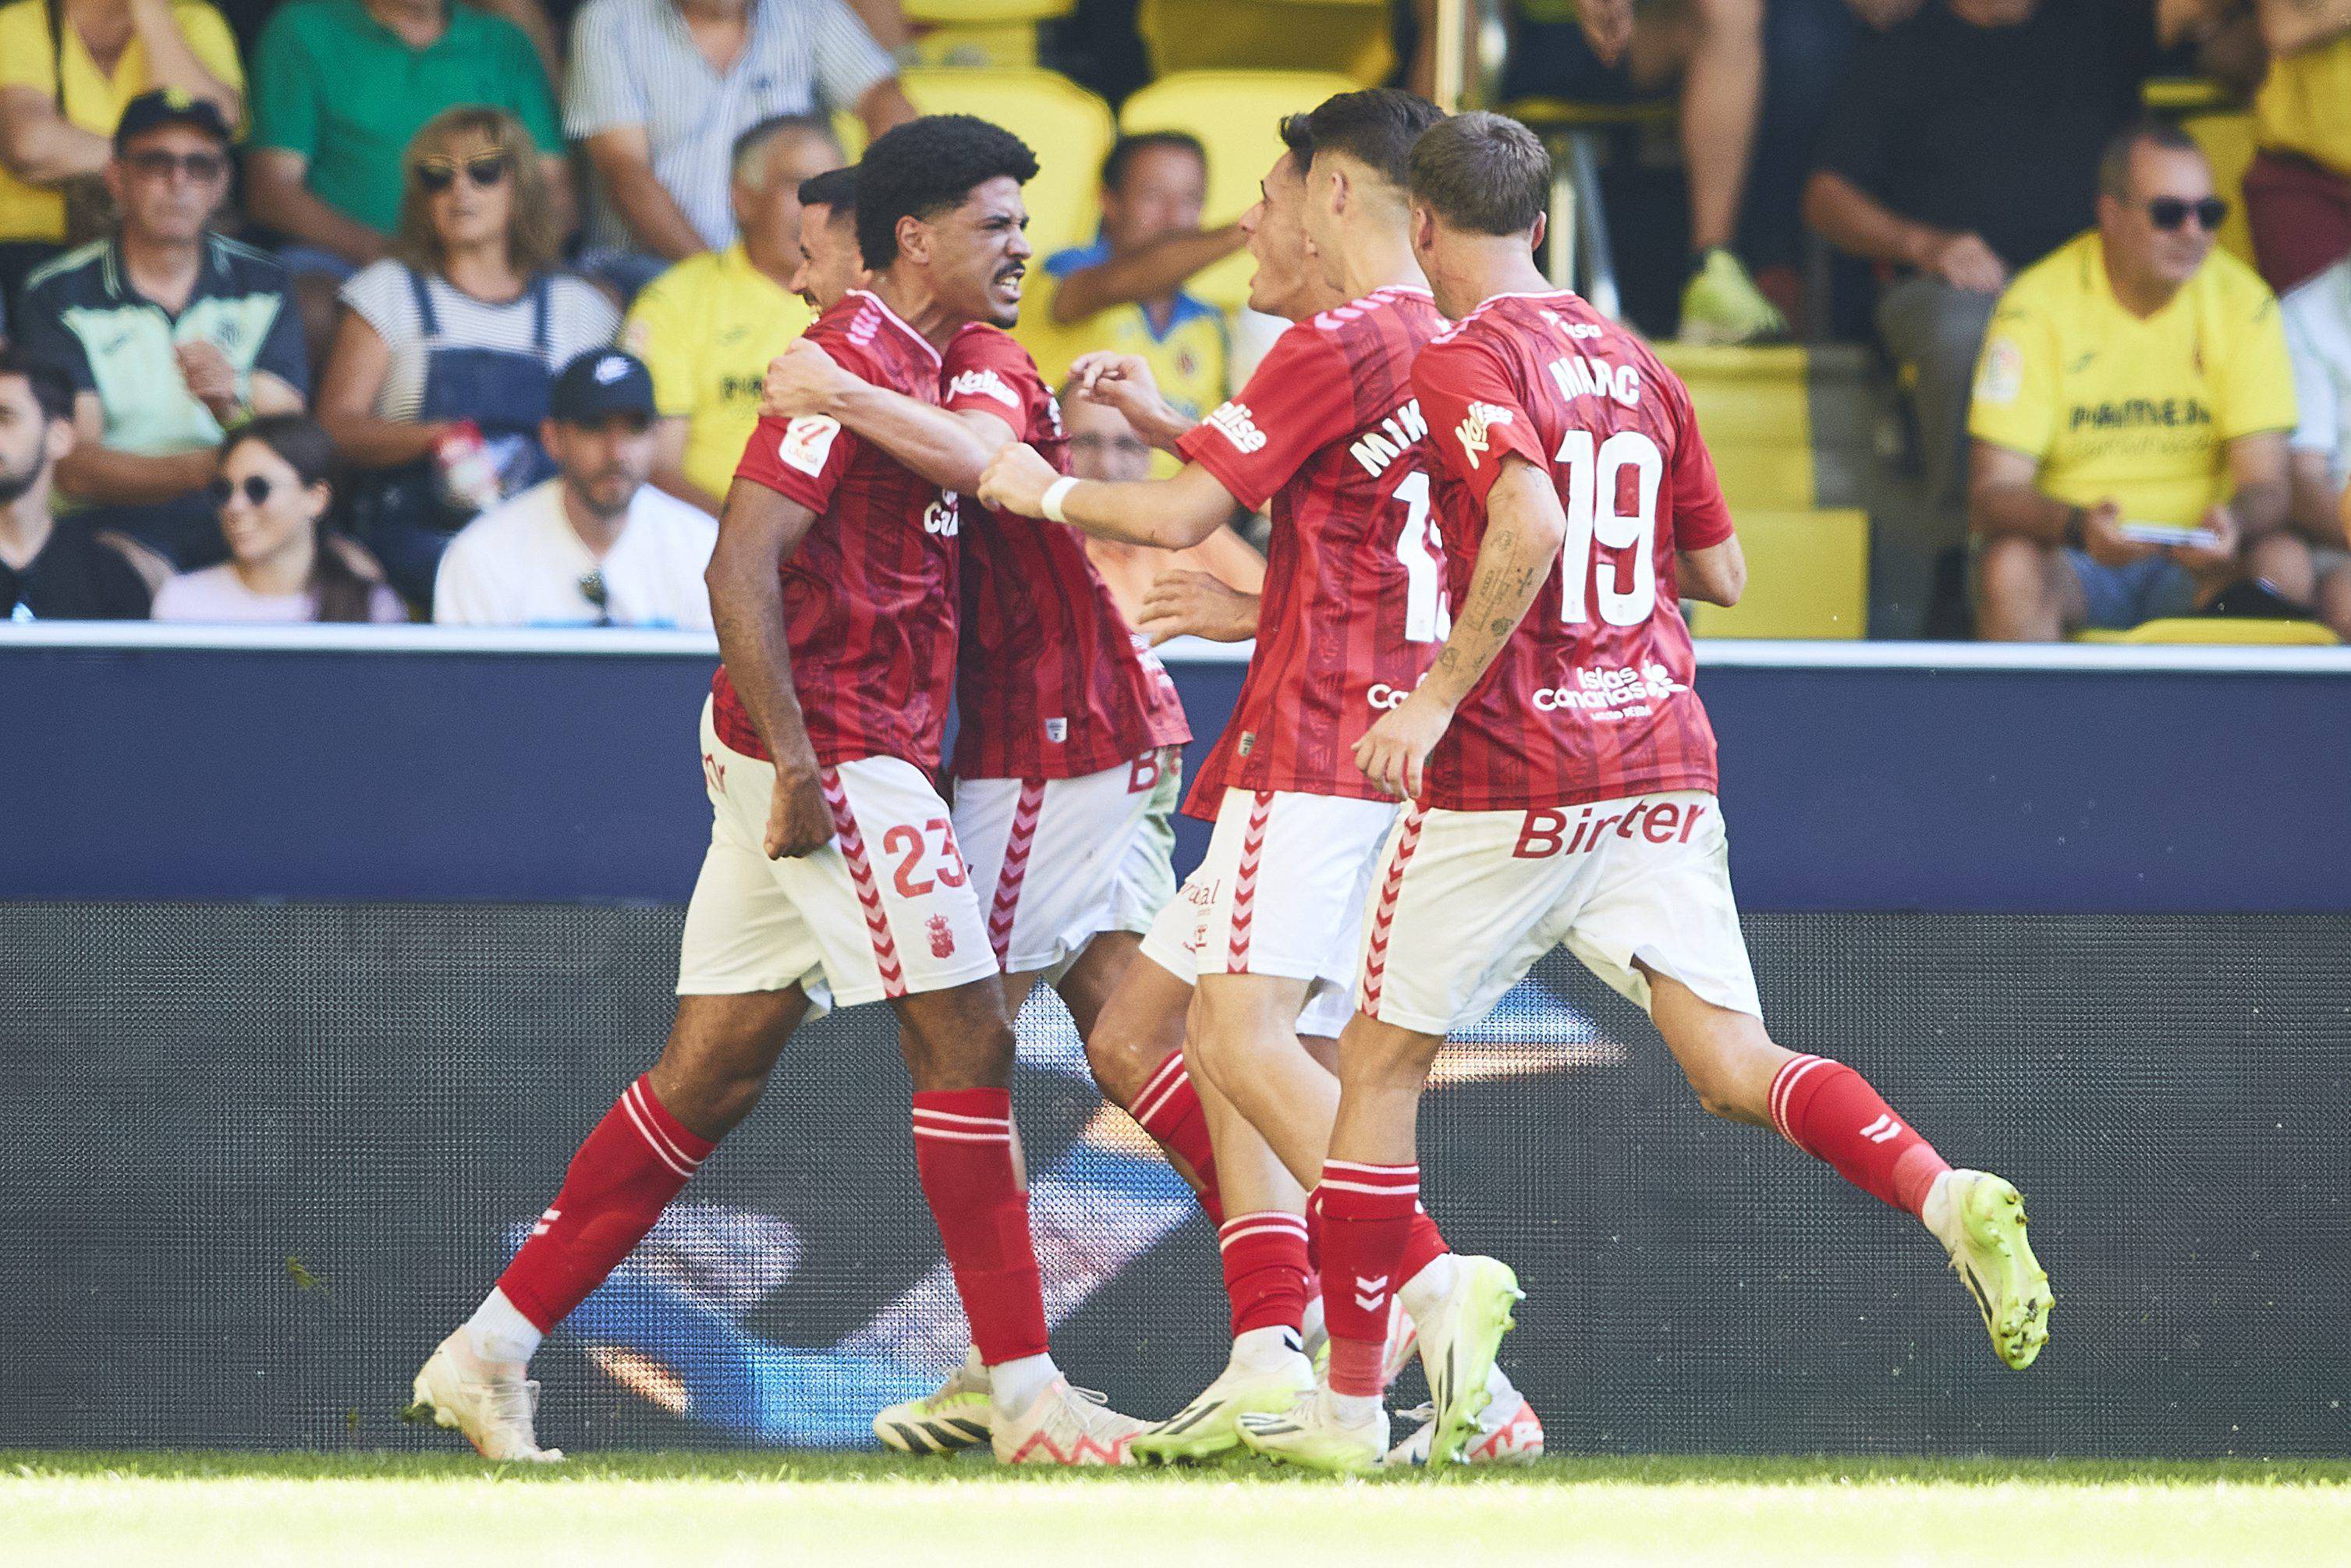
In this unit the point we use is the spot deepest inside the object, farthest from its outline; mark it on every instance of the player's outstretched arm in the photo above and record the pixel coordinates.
(1525, 529)
(1174, 513)
(758, 531)
(948, 449)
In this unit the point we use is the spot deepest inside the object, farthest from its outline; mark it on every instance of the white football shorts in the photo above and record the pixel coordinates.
(886, 909)
(1466, 901)
(1058, 861)
(1281, 891)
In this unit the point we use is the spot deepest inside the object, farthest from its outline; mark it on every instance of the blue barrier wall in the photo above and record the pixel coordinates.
(329, 766)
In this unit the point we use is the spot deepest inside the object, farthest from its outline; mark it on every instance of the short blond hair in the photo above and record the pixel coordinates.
(534, 242)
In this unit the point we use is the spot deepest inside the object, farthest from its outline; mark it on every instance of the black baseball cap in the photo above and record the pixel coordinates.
(600, 383)
(170, 106)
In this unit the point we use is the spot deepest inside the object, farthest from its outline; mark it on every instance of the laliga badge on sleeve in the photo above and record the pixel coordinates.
(808, 442)
(2002, 376)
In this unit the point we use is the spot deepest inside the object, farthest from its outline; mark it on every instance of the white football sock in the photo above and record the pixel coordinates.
(498, 1332)
(973, 1367)
(1013, 1385)
(1264, 1350)
(1311, 1323)
(1426, 1290)
(1351, 1409)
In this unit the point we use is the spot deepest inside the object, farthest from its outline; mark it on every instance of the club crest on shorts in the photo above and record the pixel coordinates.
(942, 937)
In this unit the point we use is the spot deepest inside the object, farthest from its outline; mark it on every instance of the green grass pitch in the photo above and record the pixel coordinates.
(766, 1508)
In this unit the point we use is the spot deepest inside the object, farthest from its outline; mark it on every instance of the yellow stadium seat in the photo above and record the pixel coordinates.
(1236, 116)
(1807, 576)
(1755, 406)
(2228, 142)
(1067, 127)
(2219, 629)
(983, 13)
(1353, 38)
(1009, 46)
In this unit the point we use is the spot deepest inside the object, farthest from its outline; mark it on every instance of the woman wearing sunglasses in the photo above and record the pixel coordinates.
(275, 488)
(439, 374)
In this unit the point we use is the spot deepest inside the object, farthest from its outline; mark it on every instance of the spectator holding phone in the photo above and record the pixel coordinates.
(2130, 411)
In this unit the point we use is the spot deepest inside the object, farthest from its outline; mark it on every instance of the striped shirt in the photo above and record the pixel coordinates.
(634, 63)
(578, 319)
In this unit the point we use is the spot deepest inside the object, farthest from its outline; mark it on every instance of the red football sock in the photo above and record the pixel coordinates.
(1168, 1108)
(1314, 1233)
(1367, 1218)
(963, 1154)
(1830, 1112)
(638, 1158)
(1423, 1244)
(1265, 1268)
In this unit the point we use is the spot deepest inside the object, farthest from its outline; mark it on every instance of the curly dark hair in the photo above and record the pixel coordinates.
(926, 167)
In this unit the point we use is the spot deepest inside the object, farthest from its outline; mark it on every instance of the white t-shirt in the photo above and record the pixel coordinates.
(218, 596)
(2317, 316)
(521, 563)
(579, 319)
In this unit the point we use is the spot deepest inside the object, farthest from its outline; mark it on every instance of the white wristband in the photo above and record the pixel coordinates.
(1055, 493)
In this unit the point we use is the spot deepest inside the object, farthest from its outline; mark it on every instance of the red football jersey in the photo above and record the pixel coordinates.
(1053, 683)
(1353, 606)
(1590, 698)
(870, 596)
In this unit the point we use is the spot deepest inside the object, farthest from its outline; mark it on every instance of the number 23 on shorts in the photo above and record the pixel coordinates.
(911, 846)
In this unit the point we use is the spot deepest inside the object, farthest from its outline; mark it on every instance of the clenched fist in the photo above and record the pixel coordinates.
(1017, 480)
(800, 381)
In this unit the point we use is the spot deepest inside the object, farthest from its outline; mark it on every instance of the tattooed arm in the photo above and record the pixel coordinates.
(1525, 529)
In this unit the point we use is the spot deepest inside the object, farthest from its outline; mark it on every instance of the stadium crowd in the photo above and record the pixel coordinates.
(424, 224)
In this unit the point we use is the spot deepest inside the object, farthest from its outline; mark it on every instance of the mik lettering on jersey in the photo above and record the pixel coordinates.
(1581, 375)
(1375, 449)
(1547, 830)
(1234, 421)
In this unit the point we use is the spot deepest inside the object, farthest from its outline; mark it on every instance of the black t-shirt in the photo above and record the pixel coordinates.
(1993, 129)
(74, 577)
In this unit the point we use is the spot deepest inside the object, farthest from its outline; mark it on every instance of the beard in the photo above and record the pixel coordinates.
(14, 484)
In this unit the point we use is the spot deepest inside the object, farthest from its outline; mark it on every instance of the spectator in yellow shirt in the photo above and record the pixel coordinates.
(2130, 411)
(1124, 292)
(61, 93)
(708, 326)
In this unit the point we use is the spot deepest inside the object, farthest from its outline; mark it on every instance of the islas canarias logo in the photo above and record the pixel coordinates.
(1472, 431)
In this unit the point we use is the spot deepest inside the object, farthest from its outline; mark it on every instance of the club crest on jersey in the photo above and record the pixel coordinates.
(808, 442)
(943, 516)
(942, 937)
(1472, 431)
(983, 383)
(1235, 424)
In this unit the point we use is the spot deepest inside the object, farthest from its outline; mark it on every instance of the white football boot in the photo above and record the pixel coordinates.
(957, 1416)
(1508, 1433)
(1312, 1436)
(491, 1403)
(1209, 1425)
(1065, 1425)
(1459, 1339)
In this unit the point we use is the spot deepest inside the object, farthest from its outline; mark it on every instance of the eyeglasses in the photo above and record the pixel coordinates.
(593, 589)
(257, 488)
(482, 168)
(203, 168)
(2168, 213)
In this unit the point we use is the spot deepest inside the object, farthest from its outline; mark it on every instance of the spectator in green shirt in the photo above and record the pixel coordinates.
(340, 86)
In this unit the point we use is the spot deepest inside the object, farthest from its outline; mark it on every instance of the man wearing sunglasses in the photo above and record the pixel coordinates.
(169, 334)
(2130, 411)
